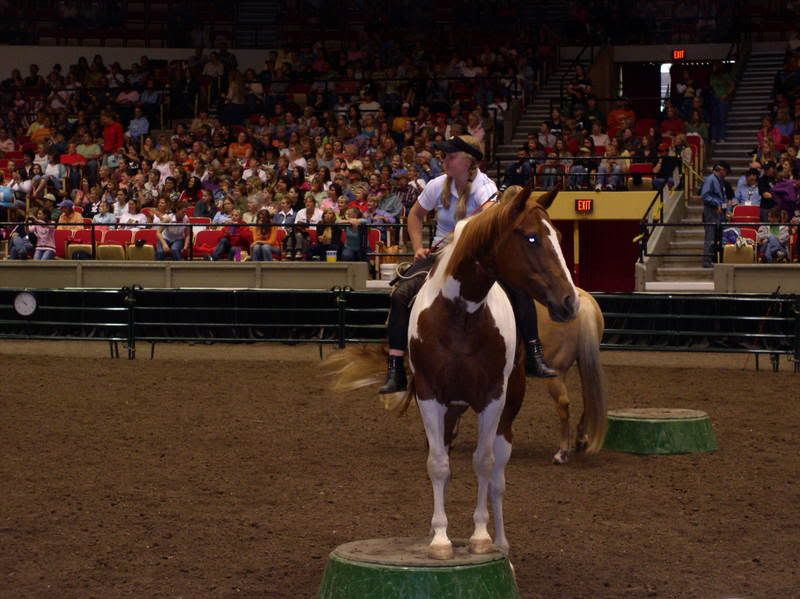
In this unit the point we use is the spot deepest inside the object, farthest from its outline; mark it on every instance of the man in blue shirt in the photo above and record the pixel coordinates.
(715, 201)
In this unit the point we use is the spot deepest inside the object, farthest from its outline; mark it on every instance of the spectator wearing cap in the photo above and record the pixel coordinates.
(69, 216)
(747, 193)
(765, 184)
(406, 193)
(714, 204)
(389, 200)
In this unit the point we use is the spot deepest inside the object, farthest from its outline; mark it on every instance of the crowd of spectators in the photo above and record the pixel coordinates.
(351, 131)
(582, 147)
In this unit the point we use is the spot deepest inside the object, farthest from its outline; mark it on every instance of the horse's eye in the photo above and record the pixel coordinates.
(533, 240)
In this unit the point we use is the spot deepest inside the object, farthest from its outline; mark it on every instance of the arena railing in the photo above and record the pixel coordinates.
(744, 324)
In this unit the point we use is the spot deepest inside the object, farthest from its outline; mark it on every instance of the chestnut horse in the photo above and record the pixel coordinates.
(565, 344)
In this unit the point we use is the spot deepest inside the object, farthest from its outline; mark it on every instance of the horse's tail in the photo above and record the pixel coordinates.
(592, 379)
(360, 366)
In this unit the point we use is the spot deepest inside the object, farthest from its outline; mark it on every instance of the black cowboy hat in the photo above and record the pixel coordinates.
(456, 144)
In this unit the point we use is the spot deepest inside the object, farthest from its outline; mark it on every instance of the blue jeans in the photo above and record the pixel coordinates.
(19, 249)
(604, 179)
(175, 247)
(771, 247)
(263, 252)
(44, 254)
(578, 176)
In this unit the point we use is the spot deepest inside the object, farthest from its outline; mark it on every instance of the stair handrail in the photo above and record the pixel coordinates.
(653, 215)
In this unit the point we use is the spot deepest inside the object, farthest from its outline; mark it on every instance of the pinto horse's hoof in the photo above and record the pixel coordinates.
(480, 546)
(442, 551)
(562, 456)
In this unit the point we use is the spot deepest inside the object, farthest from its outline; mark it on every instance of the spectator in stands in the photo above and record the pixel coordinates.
(545, 138)
(697, 125)
(21, 242)
(45, 234)
(519, 172)
(133, 219)
(784, 124)
(672, 124)
(104, 216)
(747, 193)
(722, 87)
(265, 246)
(69, 216)
(236, 238)
(113, 134)
(328, 237)
(622, 116)
(599, 136)
(785, 191)
(172, 240)
(612, 167)
(773, 238)
(715, 202)
(139, 126)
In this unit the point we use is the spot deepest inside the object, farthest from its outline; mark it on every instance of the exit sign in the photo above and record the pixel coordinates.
(584, 206)
(679, 54)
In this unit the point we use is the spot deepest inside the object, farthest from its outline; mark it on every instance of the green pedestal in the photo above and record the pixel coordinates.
(399, 568)
(659, 431)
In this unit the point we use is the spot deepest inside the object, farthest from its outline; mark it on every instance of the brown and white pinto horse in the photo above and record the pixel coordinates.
(464, 350)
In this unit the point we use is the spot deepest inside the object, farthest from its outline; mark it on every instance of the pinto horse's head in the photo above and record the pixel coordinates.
(528, 255)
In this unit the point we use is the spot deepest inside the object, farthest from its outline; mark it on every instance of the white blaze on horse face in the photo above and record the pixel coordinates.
(557, 248)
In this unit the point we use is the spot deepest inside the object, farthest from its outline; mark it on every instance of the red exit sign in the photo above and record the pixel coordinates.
(584, 206)
(679, 54)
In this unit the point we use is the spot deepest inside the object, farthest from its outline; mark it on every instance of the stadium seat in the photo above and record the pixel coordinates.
(121, 237)
(62, 237)
(738, 255)
(110, 252)
(150, 237)
(145, 252)
(205, 242)
(746, 214)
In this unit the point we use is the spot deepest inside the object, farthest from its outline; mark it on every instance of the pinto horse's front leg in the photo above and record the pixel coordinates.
(483, 461)
(433, 414)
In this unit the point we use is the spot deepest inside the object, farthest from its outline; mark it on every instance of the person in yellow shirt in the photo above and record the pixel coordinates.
(69, 216)
(399, 122)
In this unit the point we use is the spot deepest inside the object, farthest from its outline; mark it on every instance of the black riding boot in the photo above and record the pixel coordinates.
(395, 377)
(534, 361)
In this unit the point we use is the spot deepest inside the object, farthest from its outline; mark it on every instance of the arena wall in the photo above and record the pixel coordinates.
(58, 274)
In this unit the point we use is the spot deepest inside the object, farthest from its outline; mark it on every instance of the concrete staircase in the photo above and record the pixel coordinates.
(534, 114)
(747, 109)
(685, 273)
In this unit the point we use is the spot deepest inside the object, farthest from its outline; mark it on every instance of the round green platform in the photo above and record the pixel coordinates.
(659, 431)
(399, 568)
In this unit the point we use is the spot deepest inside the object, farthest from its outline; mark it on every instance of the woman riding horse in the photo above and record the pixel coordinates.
(462, 191)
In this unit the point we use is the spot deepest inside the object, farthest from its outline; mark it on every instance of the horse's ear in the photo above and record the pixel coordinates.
(522, 198)
(546, 200)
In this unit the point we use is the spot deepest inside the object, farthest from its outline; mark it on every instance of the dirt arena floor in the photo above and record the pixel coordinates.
(230, 471)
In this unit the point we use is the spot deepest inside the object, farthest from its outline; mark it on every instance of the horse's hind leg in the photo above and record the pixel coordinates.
(581, 438)
(558, 391)
(484, 463)
(433, 416)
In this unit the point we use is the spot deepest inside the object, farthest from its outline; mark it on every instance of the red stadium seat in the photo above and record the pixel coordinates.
(746, 212)
(62, 237)
(749, 233)
(118, 237)
(641, 168)
(148, 235)
(205, 242)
